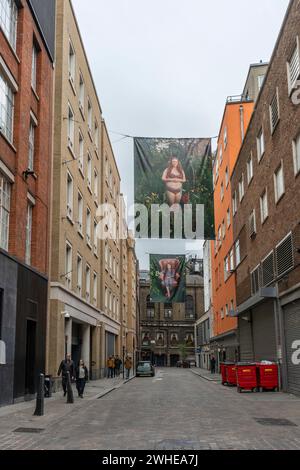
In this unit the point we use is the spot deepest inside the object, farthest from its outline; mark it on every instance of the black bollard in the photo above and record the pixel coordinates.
(39, 410)
(70, 396)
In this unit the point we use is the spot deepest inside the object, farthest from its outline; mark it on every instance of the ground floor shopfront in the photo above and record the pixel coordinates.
(23, 315)
(79, 329)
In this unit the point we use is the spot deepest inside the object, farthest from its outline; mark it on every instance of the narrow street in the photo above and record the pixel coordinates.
(175, 410)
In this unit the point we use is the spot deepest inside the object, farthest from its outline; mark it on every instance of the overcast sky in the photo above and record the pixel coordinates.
(163, 68)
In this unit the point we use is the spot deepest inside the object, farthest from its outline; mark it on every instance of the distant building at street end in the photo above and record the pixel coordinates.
(168, 330)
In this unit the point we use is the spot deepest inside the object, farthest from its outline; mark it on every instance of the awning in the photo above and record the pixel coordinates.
(262, 295)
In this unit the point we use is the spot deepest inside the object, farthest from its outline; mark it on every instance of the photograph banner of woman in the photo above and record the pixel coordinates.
(167, 274)
(176, 174)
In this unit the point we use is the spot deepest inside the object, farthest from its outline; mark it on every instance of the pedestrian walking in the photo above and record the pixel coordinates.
(66, 365)
(118, 363)
(110, 367)
(82, 376)
(128, 366)
(213, 365)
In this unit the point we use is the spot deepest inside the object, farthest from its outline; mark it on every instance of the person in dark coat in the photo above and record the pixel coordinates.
(118, 364)
(82, 376)
(213, 364)
(67, 365)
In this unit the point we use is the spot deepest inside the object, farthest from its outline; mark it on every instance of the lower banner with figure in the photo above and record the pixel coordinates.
(167, 274)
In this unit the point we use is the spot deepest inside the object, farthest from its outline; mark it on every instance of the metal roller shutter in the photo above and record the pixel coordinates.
(245, 340)
(264, 337)
(292, 334)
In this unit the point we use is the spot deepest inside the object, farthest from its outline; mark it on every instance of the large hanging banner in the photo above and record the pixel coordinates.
(178, 174)
(167, 274)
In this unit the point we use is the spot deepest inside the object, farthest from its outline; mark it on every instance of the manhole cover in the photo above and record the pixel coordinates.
(274, 422)
(29, 430)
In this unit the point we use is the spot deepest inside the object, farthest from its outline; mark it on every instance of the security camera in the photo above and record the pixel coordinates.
(66, 315)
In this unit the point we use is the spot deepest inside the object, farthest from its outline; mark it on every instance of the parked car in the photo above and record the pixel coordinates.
(184, 364)
(145, 368)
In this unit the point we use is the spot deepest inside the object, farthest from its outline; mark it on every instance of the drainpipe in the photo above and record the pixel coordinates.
(242, 122)
(280, 341)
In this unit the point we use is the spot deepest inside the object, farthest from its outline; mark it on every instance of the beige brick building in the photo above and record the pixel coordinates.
(85, 308)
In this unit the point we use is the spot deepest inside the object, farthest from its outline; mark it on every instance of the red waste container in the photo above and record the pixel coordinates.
(223, 373)
(231, 374)
(247, 377)
(267, 376)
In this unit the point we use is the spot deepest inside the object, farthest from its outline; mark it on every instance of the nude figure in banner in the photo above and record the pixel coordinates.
(169, 276)
(174, 178)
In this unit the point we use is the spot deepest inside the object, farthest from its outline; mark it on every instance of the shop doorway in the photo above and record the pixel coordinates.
(174, 358)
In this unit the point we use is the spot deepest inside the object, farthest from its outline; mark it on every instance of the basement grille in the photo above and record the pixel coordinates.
(284, 255)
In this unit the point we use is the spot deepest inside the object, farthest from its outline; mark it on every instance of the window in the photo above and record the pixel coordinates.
(294, 67)
(95, 289)
(220, 235)
(81, 152)
(34, 67)
(68, 275)
(241, 188)
(226, 268)
(6, 108)
(232, 306)
(255, 280)
(72, 63)
(279, 183)
(88, 226)
(28, 234)
(223, 229)
(260, 145)
(96, 184)
(106, 254)
(89, 171)
(264, 212)
(81, 93)
(222, 313)
(95, 238)
(90, 116)
(189, 307)
(69, 196)
(296, 154)
(237, 253)
(79, 275)
(31, 145)
(260, 81)
(225, 137)
(250, 169)
(252, 224)
(80, 212)
(228, 218)
(5, 191)
(96, 136)
(168, 310)
(227, 310)
(222, 191)
(227, 177)
(71, 128)
(274, 111)
(8, 20)
(88, 283)
(117, 310)
(106, 298)
(234, 203)
(231, 260)
(221, 154)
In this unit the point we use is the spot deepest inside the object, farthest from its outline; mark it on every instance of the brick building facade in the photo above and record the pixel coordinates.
(27, 35)
(266, 222)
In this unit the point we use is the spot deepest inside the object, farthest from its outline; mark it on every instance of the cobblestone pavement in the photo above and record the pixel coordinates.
(175, 410)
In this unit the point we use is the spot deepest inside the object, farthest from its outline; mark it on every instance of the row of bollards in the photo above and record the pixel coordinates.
(40, 397)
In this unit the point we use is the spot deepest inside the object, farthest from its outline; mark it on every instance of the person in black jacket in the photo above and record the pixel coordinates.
(82, 376)
(67, 365)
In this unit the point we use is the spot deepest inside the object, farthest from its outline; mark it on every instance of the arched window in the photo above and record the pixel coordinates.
(189, 307)
(150, 308)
